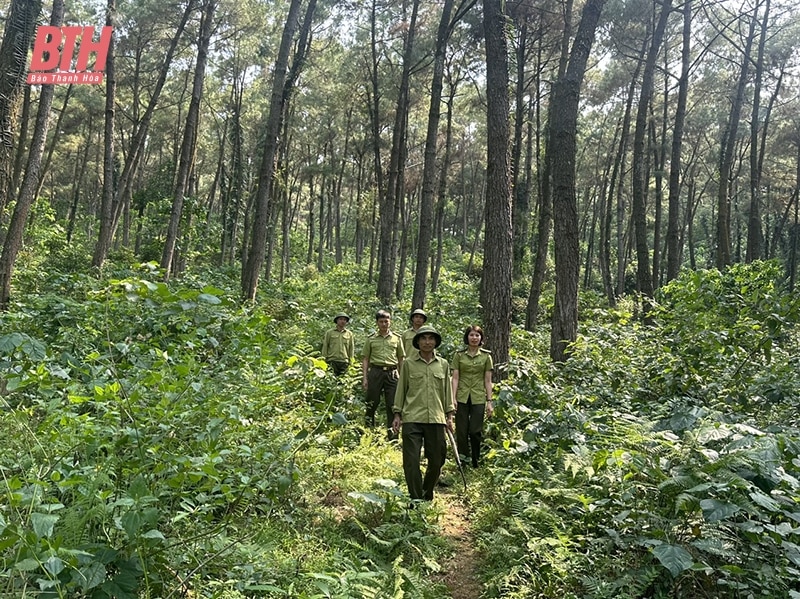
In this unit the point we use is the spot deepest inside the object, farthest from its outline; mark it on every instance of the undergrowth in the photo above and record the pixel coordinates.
(163, 440)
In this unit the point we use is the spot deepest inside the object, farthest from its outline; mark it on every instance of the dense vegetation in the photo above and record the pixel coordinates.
(203, 450)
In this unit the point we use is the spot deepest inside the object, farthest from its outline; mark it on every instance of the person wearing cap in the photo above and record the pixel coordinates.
(383, 354)
(338, 345)
(472, 388)
(417, 318)
(423, 407)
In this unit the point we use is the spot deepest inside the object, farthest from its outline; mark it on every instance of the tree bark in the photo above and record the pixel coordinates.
(30, 181)
(564, 104)
(17, 38)
(189, 143)
(111, 208)
(755, 236)
(390, 207)
(496, 279)
(521, 194)
(545, 219)
(673, 197)
(728, 143)
(639, 158)
(429, 164)
(258, 242)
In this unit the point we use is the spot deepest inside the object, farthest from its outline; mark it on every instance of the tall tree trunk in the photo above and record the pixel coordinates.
(659, 158)
(565, 102)
(728, 144)
(189, 143)
(429, 164)
(390, 207)
(521, 193)
(640, 159)
(237, 185)
(673, 198)
(51, 148)
(19, 151)
(258, 243)
(754, 230)
(441, 199)
(77, 183)
(373, 106)
(30, 181)
(498, 242)
(17, 38)
(112, 207)
(545, 192)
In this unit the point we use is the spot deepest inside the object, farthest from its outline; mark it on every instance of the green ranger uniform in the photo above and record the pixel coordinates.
(408, 338)
(408, 334)
(423, 400)
(338, 349)
(471, 398)
(382, 355)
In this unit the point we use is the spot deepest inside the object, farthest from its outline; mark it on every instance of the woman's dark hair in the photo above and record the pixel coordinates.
(469, 329)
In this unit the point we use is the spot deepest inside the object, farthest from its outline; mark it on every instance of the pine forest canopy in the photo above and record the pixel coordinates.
(275, 135)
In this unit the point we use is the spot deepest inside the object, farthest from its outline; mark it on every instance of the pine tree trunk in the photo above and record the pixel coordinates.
(673, 198)
(17, 39)
(429, 164)
(545, 210)
(189, 142)
(30, 181)
(754, 233)
(728, 143)
(112, 207)
(256, 253)
(565, 102)
(390, 207)
(640, 160)
(498, 243)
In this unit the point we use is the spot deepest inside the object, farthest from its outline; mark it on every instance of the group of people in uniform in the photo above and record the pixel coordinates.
(423, 395)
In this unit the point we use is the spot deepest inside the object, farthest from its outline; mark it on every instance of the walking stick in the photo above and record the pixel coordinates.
(458, 457)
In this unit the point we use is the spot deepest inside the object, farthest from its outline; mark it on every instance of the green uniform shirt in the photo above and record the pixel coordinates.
(423, 392)
(384, 351)
(408, 342)
(471, 372)
(338, 346)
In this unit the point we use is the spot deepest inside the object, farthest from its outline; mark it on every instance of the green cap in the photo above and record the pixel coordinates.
(426, 330)
(419, 311)
(341, 315)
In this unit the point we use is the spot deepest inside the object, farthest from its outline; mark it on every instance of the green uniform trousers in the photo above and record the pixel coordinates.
(380, 382)
(339, 368)
(417, 435)
(469, 429)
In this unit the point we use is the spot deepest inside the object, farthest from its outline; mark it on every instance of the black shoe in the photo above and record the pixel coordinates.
(474, 463)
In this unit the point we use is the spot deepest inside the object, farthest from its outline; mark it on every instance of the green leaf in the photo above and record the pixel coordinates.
(54, 565)
(209, 299)
(92, 575)
(368, 497)
(765, 501)
(674, 558)
(715, 510)
(138, 488)
(131, 521)
(153, 534)
(27, 565)
(43, 524)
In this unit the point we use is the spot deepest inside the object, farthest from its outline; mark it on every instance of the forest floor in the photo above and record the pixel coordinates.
(460, 572)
